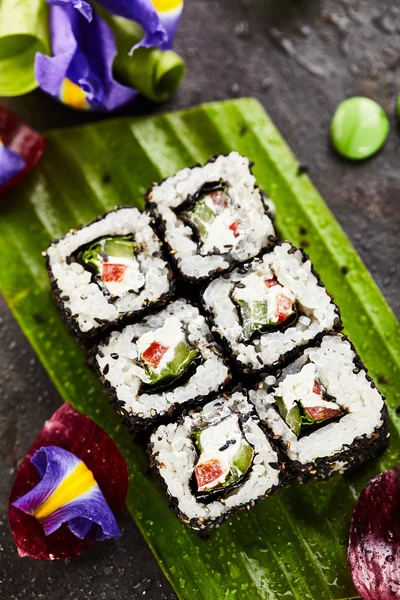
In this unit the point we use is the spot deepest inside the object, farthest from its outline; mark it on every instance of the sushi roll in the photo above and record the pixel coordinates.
(214, 461)
(212, 217)
(108, 272)
(267, 310)
(166, 361)
(324, 409)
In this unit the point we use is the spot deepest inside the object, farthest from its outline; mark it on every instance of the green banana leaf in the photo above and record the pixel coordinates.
(293, 544)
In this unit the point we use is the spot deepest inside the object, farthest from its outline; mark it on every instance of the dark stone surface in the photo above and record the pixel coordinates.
(300, 58)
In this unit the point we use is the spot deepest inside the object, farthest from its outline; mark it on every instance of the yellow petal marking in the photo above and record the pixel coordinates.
(72, 95)
(166, 5)
(73, 486)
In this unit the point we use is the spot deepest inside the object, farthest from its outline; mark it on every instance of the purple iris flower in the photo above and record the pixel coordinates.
(11, 164)
(68, 493)
(80, 72)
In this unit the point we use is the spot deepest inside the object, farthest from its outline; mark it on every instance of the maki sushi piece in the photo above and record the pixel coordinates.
(108, 272)
(324, 409)
(214, 461)
(212, 217)
(267, 310)
(166, 361)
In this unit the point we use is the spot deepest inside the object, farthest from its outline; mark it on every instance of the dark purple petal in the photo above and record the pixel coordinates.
(91, 508)
(20, 146)
(53, 465)
(144, 13)
(72, 431)
(170, 21)
(80, 72)
(58, 467)
(374, 543)
(80, 5)
(11, 164)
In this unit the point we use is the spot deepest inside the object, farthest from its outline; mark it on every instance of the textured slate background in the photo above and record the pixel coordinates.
(300, 58)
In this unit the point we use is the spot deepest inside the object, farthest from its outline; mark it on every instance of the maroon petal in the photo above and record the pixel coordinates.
(21, 139)
(374, 544)
(78, 434)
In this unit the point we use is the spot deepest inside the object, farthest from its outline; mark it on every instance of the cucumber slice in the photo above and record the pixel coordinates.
(254, 315)
(122, 247)
(292, 417)
(243, 458)
(184, 355)
(201, 216)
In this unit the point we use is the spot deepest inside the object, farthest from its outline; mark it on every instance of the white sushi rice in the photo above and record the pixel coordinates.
(353, 393)
(317, 308)
(175, 456)
(247, 206)
(85, 298)
(126, 374)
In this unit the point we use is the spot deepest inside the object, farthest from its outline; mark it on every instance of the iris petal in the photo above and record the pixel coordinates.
(144, 13)
(11, 164)
(68, 493)
(84, 50)
(169, 13)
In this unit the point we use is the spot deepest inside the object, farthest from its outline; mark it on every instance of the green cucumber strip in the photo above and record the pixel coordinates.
(122, 247)
(201, 216)
(276, 549)
(243, 458)
(183, 356)
(292, 417)
(253, 315)
(197, 440)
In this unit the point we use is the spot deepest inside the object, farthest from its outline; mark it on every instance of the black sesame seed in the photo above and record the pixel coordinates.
(106, 369)
(225, 446)
(68, 260)
(65, 298)
(114, 355)
(274, 465)
(259, 359)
